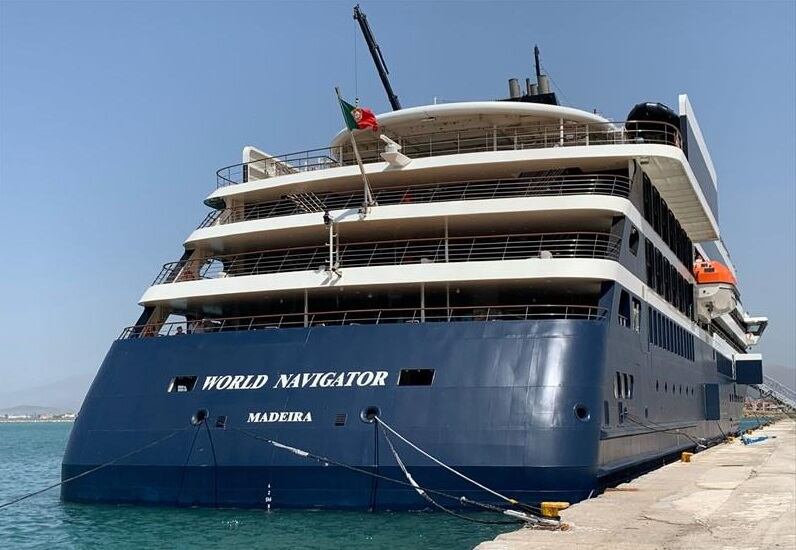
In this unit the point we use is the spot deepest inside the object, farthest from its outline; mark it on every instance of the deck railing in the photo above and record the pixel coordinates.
(448, 142)
(413, 251)
(370, 317)
(538, 186)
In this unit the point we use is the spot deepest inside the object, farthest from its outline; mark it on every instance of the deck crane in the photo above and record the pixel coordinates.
(378, 58)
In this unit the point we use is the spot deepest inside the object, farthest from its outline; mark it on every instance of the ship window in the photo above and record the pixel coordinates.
(416, 377)
(633, 240)
(606, 415)
(340, 419)
(630, 387)
(624, 309)
(618, 385)
(181, 384)
(636, 318)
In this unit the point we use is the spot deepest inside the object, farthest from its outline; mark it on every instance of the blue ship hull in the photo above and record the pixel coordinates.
(501, 409)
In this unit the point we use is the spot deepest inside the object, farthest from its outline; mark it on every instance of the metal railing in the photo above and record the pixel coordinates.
(370, 317)
(567, 134)
(538, 186)
(413, 251)
(778, 391)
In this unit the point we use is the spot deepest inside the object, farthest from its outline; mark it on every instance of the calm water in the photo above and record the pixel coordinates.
(30, 458)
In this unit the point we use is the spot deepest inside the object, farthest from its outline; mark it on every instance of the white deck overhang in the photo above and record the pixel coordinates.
(665, 164)
(178, 295)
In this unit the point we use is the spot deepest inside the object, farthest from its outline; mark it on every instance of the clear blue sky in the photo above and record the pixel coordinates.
(114, 117)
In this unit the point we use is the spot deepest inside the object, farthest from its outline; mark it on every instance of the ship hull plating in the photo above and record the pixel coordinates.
(519, 406)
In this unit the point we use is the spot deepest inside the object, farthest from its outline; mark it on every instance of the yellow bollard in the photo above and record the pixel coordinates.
(551, 509)
(686, 457)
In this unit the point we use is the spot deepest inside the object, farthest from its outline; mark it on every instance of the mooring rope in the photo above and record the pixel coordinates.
(92, 470)
(324, 459)
(670, 431)
(535, 511)
(427, 497)
(439, 462)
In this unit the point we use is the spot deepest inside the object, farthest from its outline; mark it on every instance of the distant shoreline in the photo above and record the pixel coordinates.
(35, 420)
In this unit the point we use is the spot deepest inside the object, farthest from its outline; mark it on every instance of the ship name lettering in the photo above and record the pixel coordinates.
(283, 416)
(331, 379)
(237, 382)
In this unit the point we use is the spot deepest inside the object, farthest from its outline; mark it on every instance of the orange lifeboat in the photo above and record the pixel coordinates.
(717, 292)
(712, 272)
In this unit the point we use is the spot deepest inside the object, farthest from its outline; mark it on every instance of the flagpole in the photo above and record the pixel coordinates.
(368, 196)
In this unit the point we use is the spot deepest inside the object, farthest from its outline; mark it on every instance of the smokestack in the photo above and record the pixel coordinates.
(528, 86)
(534, 90)
(514, 88)
(544, 84)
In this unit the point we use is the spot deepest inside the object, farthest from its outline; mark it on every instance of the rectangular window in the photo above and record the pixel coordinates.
(633, 240)
(416, 377)
(661, 332)
(624, 309)
(181, 384)
(635, 320)
(668, 324)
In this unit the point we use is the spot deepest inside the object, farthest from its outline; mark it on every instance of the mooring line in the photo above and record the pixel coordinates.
(671, 431)
(452, 470)
(327, 460)
(427, 497)
(92, 470)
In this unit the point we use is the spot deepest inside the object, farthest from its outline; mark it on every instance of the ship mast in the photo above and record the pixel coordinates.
(378, 58)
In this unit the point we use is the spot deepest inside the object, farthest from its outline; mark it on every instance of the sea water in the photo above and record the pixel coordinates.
(30, 459)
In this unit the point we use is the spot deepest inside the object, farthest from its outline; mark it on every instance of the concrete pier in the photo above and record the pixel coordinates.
(731, 496)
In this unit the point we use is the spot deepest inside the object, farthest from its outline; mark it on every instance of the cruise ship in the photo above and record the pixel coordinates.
(533, 295)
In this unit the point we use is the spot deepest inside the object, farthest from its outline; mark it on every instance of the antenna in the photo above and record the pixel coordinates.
(378, 58)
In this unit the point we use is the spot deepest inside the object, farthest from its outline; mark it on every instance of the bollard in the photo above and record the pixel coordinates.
(686, 457)
(551, 509)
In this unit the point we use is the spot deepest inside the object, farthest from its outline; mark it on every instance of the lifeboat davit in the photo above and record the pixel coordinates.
(717, 291)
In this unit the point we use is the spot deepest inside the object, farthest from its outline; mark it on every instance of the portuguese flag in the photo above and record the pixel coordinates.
(358, 118)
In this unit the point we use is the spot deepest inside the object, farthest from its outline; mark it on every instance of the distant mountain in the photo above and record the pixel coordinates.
(65, 395)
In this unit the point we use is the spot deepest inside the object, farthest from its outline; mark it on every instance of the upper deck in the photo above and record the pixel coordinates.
(477, 139)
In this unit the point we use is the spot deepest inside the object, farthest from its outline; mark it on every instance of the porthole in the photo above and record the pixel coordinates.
(582, 412)
(369, 414)
(199, 417)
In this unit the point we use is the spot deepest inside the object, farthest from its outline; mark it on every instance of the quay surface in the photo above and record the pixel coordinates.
(731, 496)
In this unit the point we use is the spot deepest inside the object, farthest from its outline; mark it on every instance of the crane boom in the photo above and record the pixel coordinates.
(378, 58)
